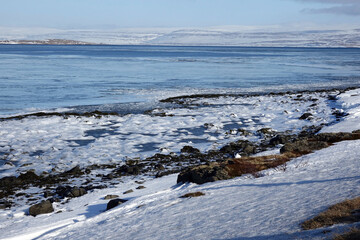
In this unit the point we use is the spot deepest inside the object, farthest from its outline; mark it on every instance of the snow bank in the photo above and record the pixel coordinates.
(269, 207)
(350, 104)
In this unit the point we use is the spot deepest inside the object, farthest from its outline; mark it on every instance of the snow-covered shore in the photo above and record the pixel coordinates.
(269, 207)
(213, 36)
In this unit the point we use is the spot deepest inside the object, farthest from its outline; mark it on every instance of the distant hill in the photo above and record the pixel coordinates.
(206, 37)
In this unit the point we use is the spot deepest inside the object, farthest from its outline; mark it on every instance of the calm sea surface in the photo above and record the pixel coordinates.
(36, 77)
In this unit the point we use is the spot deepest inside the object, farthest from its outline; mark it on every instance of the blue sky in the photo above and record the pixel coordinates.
(69, 14)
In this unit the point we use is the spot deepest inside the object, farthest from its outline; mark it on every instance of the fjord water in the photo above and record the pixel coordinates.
(43, 77)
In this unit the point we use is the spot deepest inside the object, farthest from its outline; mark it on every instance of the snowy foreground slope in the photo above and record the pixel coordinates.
(269, 207)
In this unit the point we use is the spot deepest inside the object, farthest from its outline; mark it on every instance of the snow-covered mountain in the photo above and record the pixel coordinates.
(204, 36)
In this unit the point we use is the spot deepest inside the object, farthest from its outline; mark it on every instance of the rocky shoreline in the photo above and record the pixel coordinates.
(199, 167)
(228, 161)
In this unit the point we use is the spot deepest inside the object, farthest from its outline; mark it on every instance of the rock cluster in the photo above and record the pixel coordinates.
(204, 173)
(293, 147)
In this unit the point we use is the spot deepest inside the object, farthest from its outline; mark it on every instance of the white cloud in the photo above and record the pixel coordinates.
(343, 7)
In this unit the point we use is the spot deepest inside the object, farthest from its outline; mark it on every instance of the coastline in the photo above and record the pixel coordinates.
(262, 117)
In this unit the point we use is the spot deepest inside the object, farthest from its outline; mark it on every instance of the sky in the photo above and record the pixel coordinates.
(102, 14)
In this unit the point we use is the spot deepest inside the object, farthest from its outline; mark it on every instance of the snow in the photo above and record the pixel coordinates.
(269, 36)
(59, 143)
(269, 207)
(350, 102)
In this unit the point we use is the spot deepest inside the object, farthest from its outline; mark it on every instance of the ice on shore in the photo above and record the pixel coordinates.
(269, 207)
(57, 143)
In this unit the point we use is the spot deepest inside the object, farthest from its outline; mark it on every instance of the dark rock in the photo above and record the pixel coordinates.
(68, 191)
(54, 199)
(306, 116)
(280, 139)
(130, 170)
(194, 194)
(92, 187)
(29, 176)
(339, 113)
(159, 167)
(332, 97)
(240, 146)
(5, 204)
(140, 187)
(63, 191)
(165, 173)
(76, 171)
(203, 174)
(190, 150)
(77, 192)
(128, 191)
(244, 132)
(334, 137)
(41, 208)
(309, 131)
(303, 146)
(266, 132)
(107, 197)
(48, 194)
(10, 181)
(108, 176)
(114, 203)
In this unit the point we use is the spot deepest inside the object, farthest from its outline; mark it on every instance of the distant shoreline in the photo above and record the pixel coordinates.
(66, 42)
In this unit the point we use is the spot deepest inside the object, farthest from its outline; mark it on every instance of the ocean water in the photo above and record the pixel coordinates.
(133, 78)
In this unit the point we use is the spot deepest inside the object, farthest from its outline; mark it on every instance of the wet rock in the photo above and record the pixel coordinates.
(107, 197)
(190, 150)
(203, 174)
(306, 116)
(41, 208)
(114, 203)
